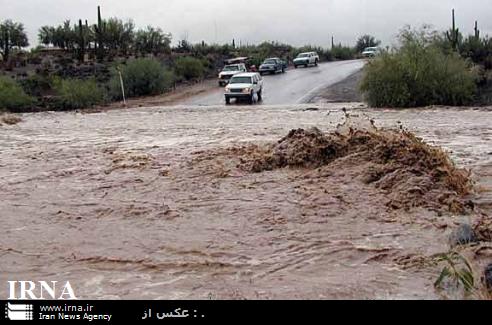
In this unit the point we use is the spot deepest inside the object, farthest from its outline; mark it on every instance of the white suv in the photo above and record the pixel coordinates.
(244, 86)
(229, 71)
(371, 52)
(306, 59)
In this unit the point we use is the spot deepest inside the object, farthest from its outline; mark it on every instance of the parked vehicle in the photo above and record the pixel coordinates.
(243, 59)
(306, 59)
(244, 86)
(273, 65)
(230, 70)
(371, 52)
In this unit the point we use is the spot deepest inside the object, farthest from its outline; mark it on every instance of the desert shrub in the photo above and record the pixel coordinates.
(189, 68)
(77, 94)
(12, 97)
(36, 85)
(479, 50)
(343, 53)
(418, 74)
(141, 77)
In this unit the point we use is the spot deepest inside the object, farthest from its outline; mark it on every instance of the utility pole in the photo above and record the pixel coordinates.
(215, 25)
(122, 85)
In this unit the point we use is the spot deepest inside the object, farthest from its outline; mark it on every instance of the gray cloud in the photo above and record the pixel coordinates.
(296, 22)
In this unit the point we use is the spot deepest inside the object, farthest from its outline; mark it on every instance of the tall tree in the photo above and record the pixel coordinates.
(46, 35)
(366, 41)
(152, 40)
(119, 35)
(12, 35)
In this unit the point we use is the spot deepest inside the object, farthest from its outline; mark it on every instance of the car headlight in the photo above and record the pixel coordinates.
(246, 90)
(227, 90)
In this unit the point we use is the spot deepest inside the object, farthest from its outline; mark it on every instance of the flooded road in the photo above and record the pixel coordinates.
(130, 204)
(295, 86)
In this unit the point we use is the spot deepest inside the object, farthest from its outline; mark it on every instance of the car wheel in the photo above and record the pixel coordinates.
(228, 101)
(295, 66)
(316, 63)
(261, 73)
(283, 70)
(251, 98)
(306, 65)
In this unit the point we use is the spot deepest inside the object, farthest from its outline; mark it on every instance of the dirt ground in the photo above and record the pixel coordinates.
(173, 97)
(156, 203)
(341, 92)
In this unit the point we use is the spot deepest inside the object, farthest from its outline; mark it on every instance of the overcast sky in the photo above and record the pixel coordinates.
(251, 21)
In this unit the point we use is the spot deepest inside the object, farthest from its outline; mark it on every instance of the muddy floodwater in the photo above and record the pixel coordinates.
(134, 204)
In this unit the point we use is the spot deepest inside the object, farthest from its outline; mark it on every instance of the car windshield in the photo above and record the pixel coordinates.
(305, 55)
(241, 80)
(270, 61)
(231, 68)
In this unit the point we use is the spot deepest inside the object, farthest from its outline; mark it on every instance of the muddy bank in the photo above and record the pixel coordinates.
(157, 204)
(167, 99)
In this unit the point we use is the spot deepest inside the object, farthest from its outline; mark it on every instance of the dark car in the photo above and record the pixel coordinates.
(273, 65)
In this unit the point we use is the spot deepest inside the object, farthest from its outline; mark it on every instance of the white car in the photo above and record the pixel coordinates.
(371, 52)
(306, 59)
(244, 86)
(229, 71)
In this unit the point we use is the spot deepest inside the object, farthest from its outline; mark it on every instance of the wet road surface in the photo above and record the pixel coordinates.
(295, 86)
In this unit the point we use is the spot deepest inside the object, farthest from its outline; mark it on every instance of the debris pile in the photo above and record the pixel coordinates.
(411, 172)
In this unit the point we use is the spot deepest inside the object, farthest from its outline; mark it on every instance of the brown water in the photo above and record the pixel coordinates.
(130, 204)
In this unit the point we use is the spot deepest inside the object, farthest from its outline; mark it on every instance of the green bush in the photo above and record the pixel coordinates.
(77, 94)
(418, 74)
(36, 85)
(479, 50)
(189, 68)
(141, 77)
(12, 96)
(343, 53)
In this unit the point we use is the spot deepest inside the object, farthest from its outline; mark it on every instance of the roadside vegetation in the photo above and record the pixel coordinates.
(12, 96)
(189, 68)
(417, 74)
(77, 94)
(431, 68)
(141, 77)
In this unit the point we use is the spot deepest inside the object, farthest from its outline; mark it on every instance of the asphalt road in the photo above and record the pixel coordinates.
(295, 86)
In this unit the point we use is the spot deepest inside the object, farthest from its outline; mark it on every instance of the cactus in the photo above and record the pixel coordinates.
(99, 31)
(81, 41)
(454, 34)
(477, 31)
(6, 46)
(88, 35)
